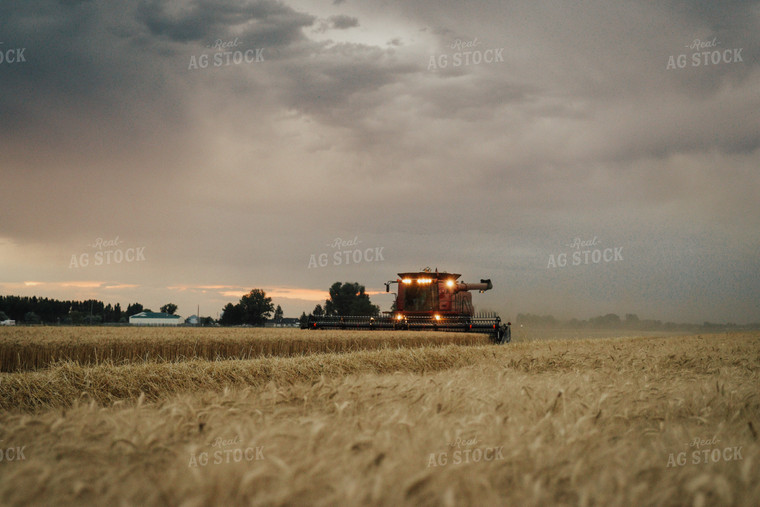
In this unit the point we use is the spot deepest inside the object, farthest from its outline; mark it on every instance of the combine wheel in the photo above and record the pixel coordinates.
(507, 333)
(504, 334)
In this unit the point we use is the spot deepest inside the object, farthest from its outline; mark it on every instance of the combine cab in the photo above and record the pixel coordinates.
(428, 301)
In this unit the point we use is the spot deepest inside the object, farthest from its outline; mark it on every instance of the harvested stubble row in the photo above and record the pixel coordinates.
(33, 348)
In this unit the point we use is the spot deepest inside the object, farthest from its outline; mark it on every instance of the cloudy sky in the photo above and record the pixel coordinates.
(213, 147)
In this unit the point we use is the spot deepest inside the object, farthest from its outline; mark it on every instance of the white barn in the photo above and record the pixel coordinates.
(154, 319)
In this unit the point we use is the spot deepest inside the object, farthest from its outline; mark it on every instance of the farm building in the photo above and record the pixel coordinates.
(154, 319)
(284, 322)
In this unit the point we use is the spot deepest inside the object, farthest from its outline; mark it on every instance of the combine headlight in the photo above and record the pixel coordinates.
(437, 317)
(450, 283)
(407, 280)
(399, 317)
(424, 280)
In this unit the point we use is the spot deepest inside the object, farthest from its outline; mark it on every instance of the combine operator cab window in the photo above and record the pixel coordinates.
(420, 298)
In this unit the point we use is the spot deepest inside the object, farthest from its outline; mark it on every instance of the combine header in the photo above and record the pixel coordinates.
(427, 301)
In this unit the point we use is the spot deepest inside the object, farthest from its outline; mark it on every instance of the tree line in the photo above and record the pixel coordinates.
(349, 298)
(345, 299)
(38, 310)
(254, 308)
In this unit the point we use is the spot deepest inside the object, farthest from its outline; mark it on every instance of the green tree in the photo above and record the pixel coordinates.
(134, 309)
(350, 299)
(609, 321)
(632, 320)
(107, 313)
(91, 320)
(278, 314)
(318, 311)
(257, 307)
(32, 318)
(76, 317)
(169, 308)
(232, 315)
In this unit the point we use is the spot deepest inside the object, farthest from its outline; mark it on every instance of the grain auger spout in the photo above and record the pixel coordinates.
(483, 286)
(429, 301)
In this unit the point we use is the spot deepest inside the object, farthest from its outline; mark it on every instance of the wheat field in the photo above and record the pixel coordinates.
(603, 421)
(32, 348)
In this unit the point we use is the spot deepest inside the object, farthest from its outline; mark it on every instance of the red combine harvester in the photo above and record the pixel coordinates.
(427, 301)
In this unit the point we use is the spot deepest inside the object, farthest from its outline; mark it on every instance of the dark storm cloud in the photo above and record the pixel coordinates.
(337, 88)
(342, 22)
(63, 100)
(273, 23)
(729, 15)
(605, 63)
(338, 22)
(235, 175)
(104, 76)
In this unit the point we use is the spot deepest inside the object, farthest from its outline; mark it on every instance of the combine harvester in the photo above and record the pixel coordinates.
(427, 301)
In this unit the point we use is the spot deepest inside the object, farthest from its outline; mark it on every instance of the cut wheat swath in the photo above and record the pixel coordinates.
(32, 348)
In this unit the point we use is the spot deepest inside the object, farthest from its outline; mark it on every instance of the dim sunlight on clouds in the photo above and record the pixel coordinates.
(121, 286)
(81, 285)
(297, 293)
(238, 292)
(239, 174)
